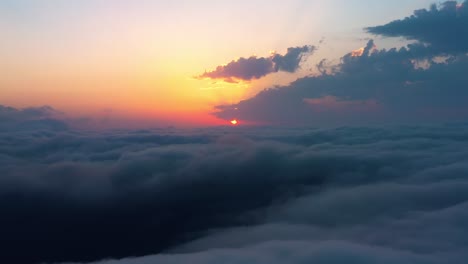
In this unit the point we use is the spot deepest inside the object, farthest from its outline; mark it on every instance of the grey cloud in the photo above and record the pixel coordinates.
(66, 194)
(290, 252)
(152, 195)
(378, 86)
(257, 67)
(291, 60)
(445, 28)
(10, 113)
(31, 118)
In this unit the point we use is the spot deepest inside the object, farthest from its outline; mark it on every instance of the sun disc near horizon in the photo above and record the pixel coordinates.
(234, 122)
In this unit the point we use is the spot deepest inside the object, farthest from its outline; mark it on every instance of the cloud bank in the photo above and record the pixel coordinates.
(260, 195)
(32, 118)
(445, 28)
(423, 82)
(251, 68)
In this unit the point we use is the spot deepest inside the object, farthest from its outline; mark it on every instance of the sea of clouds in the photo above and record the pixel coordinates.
(396, 194)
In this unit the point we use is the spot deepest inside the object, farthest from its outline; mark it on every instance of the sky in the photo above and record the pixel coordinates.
(142, 60)
(253, 132)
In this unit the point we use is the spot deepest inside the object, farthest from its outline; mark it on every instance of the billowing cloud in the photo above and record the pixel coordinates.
(444, 28)
(262, 195)
(257, 67)
(423, 82)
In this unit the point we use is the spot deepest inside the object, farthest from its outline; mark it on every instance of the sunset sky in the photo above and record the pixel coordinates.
(233, 131)
(139, 60)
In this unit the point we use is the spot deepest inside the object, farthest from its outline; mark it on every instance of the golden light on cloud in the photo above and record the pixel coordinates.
(357, 53)
(234, 122)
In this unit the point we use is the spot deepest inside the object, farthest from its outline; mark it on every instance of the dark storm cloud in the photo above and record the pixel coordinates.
(445, 28)
(268, 196)
(257, 67)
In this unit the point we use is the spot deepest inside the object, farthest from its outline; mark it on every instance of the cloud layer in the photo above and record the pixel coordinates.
(32, 118)
(255, 195)
(247, 69)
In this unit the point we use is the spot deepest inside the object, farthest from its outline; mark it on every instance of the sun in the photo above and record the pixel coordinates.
(234, 122)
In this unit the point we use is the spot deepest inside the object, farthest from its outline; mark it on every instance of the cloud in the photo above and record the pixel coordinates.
(257, 67)
(10, 113)
(386, 84)
(262, 195)
(422, 82)
(291, 60)
(289, 252)
(257, 194)
(445, 28)
(31, 118)
(104, 191)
